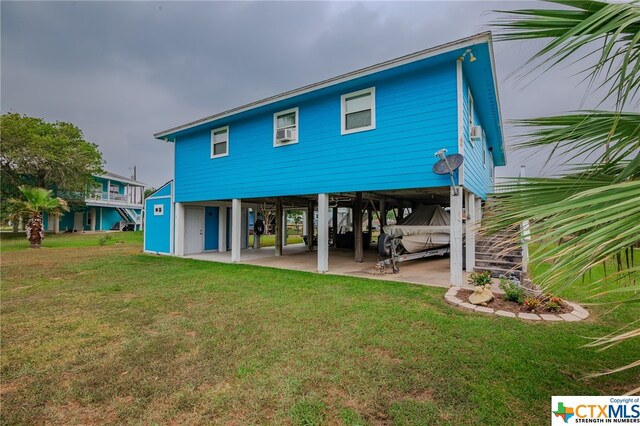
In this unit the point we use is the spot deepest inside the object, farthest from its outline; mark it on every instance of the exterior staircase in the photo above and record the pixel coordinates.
(497, 255)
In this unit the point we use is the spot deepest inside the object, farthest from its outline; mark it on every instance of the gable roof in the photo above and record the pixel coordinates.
(120, 178)
(485, 84)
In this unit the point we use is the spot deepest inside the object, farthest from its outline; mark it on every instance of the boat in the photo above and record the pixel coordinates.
(426, 228)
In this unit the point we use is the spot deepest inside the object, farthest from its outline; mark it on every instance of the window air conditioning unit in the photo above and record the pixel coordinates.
(285, 135)
(476, 132)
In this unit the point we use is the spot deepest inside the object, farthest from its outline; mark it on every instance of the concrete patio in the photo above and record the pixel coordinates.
(432, 271)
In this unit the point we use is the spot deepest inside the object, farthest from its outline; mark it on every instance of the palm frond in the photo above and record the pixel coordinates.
(615, 25)
(611, 137)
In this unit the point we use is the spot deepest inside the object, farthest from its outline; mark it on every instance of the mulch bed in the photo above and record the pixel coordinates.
(498, 303)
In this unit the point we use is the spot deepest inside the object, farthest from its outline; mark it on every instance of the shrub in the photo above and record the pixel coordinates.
(480, 278)
(513, 292)
(554, 304)
(102, 241)
(531, 303)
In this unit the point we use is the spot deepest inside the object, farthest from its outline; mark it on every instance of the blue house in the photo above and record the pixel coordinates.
(113, 202)
(364, 140)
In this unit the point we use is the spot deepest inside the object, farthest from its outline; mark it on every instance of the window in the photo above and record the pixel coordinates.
(158, 209)
(220, 142)
(285, 127)
(358, 111)
(114, 189)
(471, 123)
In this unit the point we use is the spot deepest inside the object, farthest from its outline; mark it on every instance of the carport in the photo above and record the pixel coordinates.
(360, 260)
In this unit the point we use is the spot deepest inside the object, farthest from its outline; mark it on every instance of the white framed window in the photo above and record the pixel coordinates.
(158, 209)
(471, 121)
(220, 142)
(285, 127)
(358, 111)
(114, 189)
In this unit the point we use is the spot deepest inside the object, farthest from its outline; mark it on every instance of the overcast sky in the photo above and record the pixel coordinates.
(122, 71)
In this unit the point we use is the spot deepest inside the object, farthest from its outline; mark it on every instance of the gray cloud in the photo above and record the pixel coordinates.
(122, 71)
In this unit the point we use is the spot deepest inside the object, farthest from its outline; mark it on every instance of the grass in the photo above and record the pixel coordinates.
(270, 240)
(106, 334)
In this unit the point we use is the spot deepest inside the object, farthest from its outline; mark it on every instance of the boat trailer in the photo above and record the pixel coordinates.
(391, 248)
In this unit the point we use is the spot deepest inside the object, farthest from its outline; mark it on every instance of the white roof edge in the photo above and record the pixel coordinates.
(157, 190)
(122, 179)
(392, 63)
(495, 83)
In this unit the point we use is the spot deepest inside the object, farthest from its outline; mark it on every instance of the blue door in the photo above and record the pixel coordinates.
(211, 228)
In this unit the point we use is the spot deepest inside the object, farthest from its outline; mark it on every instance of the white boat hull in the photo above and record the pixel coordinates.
(418, 243)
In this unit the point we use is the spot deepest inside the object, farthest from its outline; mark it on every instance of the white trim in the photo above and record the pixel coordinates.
(470, 230)
(179, 230)
(343, 117)
(297, 127)
(158, 190)
(156, 252)
(236, 230)
(219, 129)
(461, 138)
(455, 258)
(122, 180)
(495, 85)
(172, 210)
(144, 231)
(392, 63)
(470, 103)
(323, 233)
(158, 198)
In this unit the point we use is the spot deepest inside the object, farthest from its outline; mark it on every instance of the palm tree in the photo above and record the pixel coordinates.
(36, 201)
(590, 216)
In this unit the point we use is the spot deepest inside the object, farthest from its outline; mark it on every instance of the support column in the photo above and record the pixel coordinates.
(304, 223)
(370, 221)
(284, 227)
(222, 229)
(455, 265)
(383, 214)
(278, 232)
(56, 223)
(179, 230)
(323, 233)
(471, 230)
(335, 225)
(400, 211)
(310, 226)
(93, 219)
(236, 229)
(357, 227)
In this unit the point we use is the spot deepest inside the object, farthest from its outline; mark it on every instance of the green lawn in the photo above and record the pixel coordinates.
(106, 334)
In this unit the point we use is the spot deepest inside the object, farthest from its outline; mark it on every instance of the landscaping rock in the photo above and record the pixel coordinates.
(505, 314)
(481, 295)
(528, 316)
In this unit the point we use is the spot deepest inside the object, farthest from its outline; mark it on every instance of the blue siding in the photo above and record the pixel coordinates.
(157, 231)
(416, 115)
(477, 169)
(109, 218)
(211, 228)
(164, 191)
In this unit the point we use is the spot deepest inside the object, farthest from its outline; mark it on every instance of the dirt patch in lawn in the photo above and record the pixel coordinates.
(500, 304)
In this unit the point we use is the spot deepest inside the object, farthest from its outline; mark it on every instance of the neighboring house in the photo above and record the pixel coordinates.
(114, 202)
(365, 138)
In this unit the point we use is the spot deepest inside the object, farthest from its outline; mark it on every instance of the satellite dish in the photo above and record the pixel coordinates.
(448, 164)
